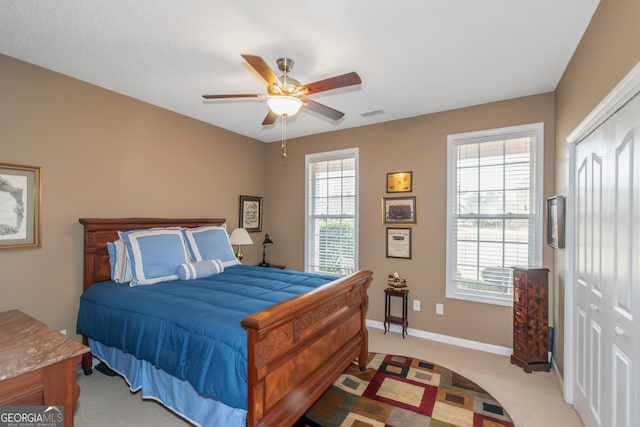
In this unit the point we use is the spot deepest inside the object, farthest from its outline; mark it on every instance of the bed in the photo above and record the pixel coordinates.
(295, 349)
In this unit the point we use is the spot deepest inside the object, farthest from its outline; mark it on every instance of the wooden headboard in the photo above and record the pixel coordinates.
(99, 231)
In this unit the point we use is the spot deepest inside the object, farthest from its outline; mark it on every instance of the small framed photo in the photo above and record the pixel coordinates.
(399, 182)
(399, 210)
(555, 221)
(250, 213)
(19, 206)
(399, 243)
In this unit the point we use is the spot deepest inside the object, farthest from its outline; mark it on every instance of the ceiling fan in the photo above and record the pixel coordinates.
(286, 96)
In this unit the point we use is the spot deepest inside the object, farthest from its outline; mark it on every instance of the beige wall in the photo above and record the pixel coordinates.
(103, 154)
(608, 51)
(106, 155)
(419, 145)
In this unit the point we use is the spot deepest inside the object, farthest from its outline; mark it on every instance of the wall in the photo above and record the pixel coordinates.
(609, 49)
(420, 145)
(106, 155)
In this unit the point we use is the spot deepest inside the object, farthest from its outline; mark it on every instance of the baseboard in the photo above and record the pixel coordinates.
(460, 342)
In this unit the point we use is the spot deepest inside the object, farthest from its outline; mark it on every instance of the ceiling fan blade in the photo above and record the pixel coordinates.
(237, 95)
(343, 80)
(270, 118)
(262, 68)
(323, 109)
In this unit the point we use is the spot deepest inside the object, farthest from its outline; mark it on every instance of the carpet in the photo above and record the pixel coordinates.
(404, 392)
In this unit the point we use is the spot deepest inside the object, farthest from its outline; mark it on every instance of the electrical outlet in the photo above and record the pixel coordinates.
(416, 305)
(439, 309)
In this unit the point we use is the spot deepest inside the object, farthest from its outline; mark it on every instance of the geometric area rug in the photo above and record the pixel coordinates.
(404, 392)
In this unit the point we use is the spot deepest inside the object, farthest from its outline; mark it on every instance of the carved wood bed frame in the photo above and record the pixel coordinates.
(296, 349)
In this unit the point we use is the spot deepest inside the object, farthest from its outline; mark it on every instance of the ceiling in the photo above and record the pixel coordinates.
(415, 57)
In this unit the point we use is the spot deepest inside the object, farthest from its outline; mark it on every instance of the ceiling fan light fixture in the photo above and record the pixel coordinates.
(284, 105)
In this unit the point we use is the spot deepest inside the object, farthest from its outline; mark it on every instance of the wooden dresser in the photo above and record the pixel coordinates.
(531, 319)
(37, 364)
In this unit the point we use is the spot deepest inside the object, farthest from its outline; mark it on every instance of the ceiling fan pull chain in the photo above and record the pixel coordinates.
(284, 137)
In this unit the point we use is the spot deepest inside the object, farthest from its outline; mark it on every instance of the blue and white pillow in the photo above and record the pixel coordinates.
(199, 269)
(119, 261)
(211, 242)
(154, 253)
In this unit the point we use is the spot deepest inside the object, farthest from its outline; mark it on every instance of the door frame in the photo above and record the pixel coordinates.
(624, 91)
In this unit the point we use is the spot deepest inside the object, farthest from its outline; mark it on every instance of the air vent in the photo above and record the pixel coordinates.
(372, 113)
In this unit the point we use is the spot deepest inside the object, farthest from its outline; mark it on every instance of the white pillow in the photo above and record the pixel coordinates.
(155, 253)
(199, 269)
(211, 242)
(119, 261)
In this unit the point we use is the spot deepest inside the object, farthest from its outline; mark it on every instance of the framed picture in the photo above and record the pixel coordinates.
(399, 243)
(250, 213)
(19, 206)
(399, 210)
(399, 182)
(555, 221)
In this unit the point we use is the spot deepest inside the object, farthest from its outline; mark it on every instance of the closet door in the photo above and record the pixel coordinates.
(607, 271)
(625, 333)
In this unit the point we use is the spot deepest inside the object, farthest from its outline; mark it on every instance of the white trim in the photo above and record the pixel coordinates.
(460, 342)
(628, 87)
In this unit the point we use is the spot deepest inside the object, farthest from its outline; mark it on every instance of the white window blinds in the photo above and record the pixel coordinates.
(331, 229)
(494, 219)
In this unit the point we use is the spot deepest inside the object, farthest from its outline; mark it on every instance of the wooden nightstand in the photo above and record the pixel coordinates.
(280, 267)
(388, 318)
(37, 364)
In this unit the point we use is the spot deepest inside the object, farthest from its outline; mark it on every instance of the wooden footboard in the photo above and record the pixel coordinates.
(298, 348)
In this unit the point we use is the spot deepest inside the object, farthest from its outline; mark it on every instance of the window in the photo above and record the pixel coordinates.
(494, 210)
(331, 212)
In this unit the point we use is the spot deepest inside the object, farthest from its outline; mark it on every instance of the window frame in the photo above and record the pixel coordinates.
(308, 222)
(537, 171)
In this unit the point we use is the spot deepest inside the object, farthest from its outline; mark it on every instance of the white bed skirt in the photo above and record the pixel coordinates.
(177, 395)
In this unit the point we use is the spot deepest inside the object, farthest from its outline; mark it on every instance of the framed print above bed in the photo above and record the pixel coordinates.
(250, 213)
(19, 206)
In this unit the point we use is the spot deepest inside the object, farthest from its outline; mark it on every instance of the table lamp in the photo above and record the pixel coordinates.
(240, 237)
(267, 242)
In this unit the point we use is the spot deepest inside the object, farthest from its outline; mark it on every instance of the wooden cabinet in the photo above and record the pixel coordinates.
(531, 319)
(37, 364)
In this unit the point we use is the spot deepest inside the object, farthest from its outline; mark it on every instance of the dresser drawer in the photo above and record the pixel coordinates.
(520, 296)
(520, 315)
(520, 348)
(519, 279)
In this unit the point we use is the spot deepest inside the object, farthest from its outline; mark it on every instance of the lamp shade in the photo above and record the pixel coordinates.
(267, 240)
(284, 105)
(239, 236)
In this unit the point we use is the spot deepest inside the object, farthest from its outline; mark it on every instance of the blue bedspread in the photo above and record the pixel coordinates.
(191, 329)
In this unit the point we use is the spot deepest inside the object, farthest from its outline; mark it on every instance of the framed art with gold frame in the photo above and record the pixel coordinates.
(399, 182)
(20, 218)
(399, 210)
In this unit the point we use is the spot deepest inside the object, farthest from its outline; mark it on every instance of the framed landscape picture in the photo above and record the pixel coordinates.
(19, 206)
(250, 213)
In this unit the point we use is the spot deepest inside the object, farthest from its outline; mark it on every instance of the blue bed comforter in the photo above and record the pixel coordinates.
(191, 329)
